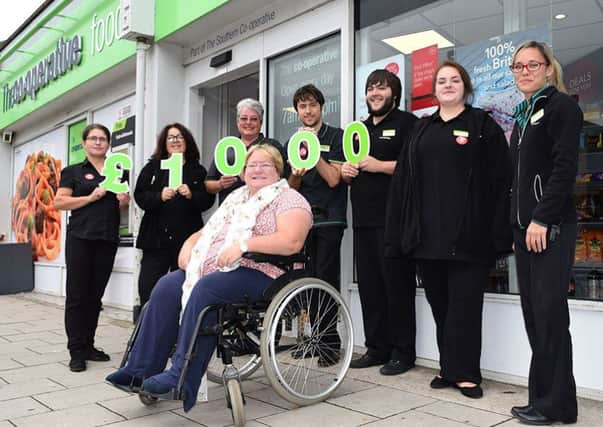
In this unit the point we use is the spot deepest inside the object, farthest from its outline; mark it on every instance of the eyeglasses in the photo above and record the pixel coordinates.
(531, 66)
(249, 119)
(100, 139)
(262, 166)
(174, 138)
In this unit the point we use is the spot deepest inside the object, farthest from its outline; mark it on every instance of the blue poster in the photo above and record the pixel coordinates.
(487, 63)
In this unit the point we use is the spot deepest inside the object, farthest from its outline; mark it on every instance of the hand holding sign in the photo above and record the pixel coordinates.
(113, 170)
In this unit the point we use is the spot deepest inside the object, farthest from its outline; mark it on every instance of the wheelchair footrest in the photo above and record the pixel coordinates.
(170, 395)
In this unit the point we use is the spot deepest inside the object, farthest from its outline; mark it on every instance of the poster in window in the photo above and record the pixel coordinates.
(487, 63)
(394, 63)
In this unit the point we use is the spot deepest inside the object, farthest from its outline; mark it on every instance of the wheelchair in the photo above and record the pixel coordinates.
(300, 332)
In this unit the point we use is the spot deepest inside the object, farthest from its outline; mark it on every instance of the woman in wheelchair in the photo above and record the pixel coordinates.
(263, 216)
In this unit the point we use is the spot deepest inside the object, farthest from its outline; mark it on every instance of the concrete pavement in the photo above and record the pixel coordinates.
(37, 388)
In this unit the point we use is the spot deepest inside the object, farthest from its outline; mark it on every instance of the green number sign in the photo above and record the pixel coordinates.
(364, 143)
(174, 165)
(312, 148)
(113, 174)
(220, 155)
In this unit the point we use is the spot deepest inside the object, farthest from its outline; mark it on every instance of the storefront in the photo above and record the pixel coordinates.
(206, 56)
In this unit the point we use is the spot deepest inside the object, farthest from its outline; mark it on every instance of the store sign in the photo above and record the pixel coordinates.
(68, 53)
(424, 63)
(123, 131)
(274, 14)
(487, 63)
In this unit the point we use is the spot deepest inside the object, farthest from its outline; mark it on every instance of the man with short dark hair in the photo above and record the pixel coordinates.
(386, 285)
(327, 195)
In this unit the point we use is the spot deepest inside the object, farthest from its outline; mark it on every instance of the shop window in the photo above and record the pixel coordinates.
(318, 63)
(484, 34)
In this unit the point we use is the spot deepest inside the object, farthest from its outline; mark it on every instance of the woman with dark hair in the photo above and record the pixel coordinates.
(90, 246)
(447, 209)
(170, 215)
(544, 152)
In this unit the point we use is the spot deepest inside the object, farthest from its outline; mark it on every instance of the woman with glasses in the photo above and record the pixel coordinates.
(544, 152)
(264, 216)
(250, 114)
(170, 214)
(90, 246)
(448, 209)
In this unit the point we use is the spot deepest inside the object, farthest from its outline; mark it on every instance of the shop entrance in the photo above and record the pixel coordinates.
(220, 113)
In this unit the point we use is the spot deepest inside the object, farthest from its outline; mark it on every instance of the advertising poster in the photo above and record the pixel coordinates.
(424, 64)
(319, 64)
(584, 79)
(37, 172)
(487, 62)
(395, 64)
(76, 150)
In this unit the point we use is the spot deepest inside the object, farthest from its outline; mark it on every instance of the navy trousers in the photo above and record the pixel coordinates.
(160, 330)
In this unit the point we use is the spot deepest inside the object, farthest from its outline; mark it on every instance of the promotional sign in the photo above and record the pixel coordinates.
(424, 65)
(123, 131)
(583, 78)
(487, 63)
(76, 152)
(395, 64)
(319, 64)
(37, 175)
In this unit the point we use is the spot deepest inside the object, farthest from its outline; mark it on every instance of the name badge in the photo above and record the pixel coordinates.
(537, 116)
(325, 148)
(462, 133)
(389, 132)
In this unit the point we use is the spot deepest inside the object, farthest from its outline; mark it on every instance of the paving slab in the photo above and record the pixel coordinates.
(381, 401)
(415, 419)
(80, 396)
(80, 416)
(32, 358)
(22, 374)
(45, 337)
(158, 420)
(215, 413)
(131, 407)
(23, 407)
(29, 388)
(327, 414)
(464, 414)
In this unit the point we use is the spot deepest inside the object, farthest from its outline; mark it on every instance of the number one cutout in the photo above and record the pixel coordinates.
(174, 165)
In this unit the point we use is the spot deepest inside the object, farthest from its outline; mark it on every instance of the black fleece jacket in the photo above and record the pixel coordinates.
(483, 228)
(545, 161)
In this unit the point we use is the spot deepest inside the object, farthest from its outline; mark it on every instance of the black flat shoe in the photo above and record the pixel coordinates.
(97, 355)
(366, 361)
(327, 360)
(300, 353)
(531, 416)
(473, 392)
(515, 410)
(439, 382)
(395, 367)
(77, 364)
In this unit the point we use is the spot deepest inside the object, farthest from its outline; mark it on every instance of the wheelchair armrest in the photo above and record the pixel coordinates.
(284, 262)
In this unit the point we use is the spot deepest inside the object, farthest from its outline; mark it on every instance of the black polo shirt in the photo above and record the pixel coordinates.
(98, 220)
(328, 204)
(369, 190)
(214, 174)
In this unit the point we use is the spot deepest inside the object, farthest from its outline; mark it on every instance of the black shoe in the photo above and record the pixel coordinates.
(97, 355)
(439, 382)
(515, 410)
(300, 353)
(326, 360)
(395, 367)
(124, 381)
(474, 392)
(77, 364)
(366, 361)
(533, 417)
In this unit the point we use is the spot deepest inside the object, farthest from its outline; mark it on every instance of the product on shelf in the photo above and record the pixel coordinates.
(593, 242)
(581, 248)
(593, 284)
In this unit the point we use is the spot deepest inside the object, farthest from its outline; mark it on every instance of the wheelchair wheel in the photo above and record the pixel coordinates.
(311, 320)
(235, 401)
(147, 400)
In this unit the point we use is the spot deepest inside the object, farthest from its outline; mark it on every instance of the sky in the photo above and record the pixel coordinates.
(13, 13)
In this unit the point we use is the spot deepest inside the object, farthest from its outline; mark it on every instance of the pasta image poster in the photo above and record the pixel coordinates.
(37, 173)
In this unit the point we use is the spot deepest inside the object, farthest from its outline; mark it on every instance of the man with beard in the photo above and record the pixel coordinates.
(327, 194)
(386, 285)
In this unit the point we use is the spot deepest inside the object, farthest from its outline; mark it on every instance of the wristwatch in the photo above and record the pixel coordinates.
(243, 246)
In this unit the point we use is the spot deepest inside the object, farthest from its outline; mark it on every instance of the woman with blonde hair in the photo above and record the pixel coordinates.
(544, 153)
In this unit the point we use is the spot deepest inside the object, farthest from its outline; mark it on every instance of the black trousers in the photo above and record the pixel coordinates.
(323, 248)
(89, 266)
(387, 289)
(543, 283)
(155, 263)
(455, 292)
